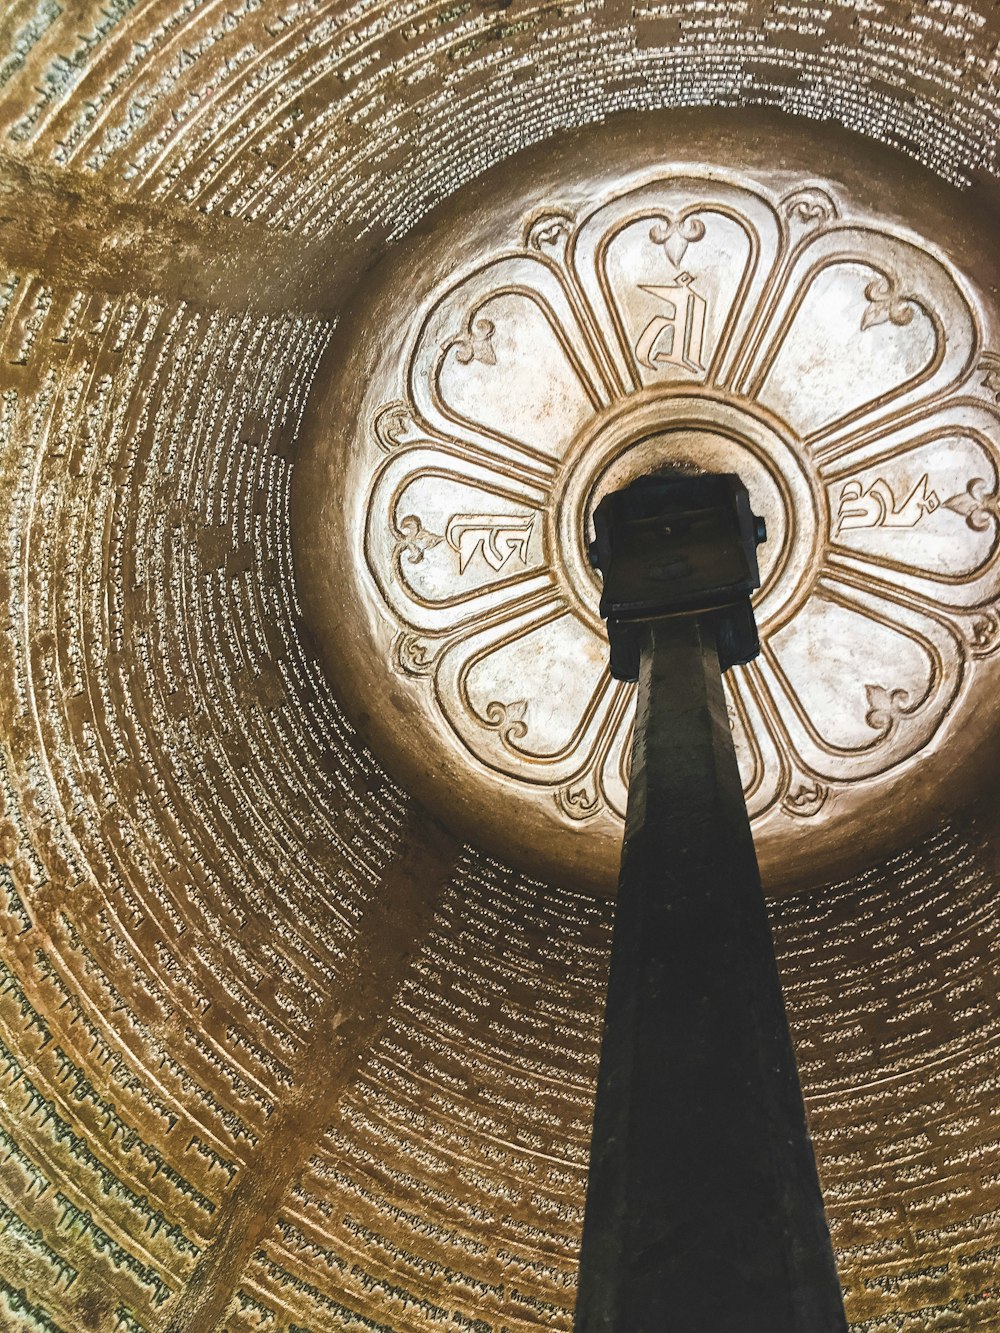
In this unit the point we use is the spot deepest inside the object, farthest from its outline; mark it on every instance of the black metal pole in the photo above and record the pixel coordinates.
(704, 1212)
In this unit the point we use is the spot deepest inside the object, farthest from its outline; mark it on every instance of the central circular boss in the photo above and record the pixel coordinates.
(708, 432)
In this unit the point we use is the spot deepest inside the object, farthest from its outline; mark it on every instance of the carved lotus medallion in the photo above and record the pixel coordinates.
(835, 361)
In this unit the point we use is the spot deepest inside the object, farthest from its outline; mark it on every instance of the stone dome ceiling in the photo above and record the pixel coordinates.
(280, 1051)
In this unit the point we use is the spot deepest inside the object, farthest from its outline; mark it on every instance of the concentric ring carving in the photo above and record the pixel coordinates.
(837, 364)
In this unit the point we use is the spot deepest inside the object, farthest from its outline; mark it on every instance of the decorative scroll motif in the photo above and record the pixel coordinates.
(805, 800)
(809, 207)
(885, 303)
(990, 366)
(414, 540)
(885, 708)
(976, 505)
(843, 371)
(578, 802)
(411, 656)
(507, 719)
(390, 426)
(474, 344)
(675, 235)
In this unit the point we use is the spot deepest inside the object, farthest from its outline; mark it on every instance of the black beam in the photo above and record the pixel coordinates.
(704, 1212)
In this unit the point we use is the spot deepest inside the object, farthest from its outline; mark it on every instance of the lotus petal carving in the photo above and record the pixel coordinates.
(836, 366)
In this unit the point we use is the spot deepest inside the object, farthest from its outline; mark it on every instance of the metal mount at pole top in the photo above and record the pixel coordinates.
(675, 543)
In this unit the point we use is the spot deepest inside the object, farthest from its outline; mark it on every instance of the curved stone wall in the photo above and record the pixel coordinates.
(277, 1052)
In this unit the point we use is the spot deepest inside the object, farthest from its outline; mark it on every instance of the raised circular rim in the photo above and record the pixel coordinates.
(661, 412)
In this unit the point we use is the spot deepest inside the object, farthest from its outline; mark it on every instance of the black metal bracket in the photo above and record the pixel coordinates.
(675, 543)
